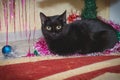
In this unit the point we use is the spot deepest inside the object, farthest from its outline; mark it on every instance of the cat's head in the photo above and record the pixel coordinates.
(53, 26)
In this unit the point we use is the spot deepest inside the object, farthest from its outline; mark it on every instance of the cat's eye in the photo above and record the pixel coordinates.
(58, 27)
(48, 28)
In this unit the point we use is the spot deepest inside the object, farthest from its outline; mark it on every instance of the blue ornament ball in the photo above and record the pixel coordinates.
(6, 49)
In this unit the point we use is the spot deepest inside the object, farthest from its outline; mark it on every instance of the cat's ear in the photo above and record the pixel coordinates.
(43, 17)
(63, 16)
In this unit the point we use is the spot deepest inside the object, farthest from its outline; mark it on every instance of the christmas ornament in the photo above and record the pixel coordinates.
(72, 17)
(7, 49)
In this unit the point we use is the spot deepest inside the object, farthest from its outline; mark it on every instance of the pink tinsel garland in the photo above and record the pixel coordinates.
(43, 49)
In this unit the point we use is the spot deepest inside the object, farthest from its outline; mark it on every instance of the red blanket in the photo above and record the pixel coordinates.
(78, 68)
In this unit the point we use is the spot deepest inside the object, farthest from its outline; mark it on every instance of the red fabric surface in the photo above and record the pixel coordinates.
(40, 69)
(93, 74)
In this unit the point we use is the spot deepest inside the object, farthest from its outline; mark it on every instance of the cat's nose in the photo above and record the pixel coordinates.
(53, 34)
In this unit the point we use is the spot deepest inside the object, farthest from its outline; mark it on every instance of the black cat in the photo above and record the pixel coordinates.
(82, 36)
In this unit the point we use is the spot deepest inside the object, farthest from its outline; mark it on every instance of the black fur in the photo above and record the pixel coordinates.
(82, 36)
